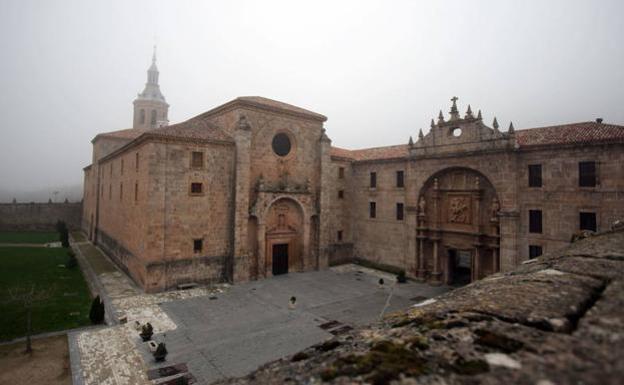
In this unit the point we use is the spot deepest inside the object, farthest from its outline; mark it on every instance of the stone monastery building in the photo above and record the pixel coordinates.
(254, 188)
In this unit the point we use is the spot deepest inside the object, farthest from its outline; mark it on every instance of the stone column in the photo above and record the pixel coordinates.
(509, 222)
(436, 274)
(240, 257)
(476, 264)
(324, 200)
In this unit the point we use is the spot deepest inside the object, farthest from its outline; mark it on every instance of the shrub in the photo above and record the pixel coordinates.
(401, 278)
(161, 352)
(61, 227)
(96, 314)
(146, 332)
(71, 259)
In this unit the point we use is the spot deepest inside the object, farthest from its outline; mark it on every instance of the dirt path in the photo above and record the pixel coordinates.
(48, 365)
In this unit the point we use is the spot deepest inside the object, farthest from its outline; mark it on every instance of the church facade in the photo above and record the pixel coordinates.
(254, 188)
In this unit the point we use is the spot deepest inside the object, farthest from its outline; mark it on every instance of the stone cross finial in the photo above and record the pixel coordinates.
(440, 117)
(495, 123)
(454, 111)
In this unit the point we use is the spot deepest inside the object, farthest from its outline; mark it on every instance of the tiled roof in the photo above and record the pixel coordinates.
(280, 105)
(267, 104)
(375, 153)
(129, 133)
(585, 132)
(195, 128)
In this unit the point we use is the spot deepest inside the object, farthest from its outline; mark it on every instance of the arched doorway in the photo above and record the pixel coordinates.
(284, 237)
(458, 227)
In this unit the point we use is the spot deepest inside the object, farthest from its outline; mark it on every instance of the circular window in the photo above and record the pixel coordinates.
(457, 132)
(281, 144)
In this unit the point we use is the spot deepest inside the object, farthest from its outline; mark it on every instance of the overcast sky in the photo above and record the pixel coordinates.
(379, 70)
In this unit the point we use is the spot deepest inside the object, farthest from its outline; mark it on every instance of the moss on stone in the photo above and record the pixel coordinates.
(381, 364)
(497, 341)
(470, 367)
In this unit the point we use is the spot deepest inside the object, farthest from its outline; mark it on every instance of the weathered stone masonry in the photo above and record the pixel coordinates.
(254, 188)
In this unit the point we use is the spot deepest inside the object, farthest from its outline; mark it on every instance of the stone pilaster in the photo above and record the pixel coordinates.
(241, 263)
(324, 203)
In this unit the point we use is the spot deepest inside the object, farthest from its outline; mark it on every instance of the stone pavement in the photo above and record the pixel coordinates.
(557, 319)
(251, 324)
(225, 331)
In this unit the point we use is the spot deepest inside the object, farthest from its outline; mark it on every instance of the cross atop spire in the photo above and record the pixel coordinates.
(154, 55)
(454, 111)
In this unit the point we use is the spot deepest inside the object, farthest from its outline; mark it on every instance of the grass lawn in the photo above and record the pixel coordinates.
(69, 302)
(28, 236)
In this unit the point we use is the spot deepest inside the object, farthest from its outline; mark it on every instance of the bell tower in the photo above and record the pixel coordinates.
(150, 108)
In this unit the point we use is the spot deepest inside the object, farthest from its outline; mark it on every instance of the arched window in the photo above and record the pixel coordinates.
(153, 118)
(142, 116)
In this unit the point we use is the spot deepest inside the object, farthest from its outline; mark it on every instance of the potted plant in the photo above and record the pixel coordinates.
(161, 352)
(146, 332)
(401, 278)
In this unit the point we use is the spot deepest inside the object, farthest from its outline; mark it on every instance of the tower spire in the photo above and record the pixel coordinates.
(150, 107)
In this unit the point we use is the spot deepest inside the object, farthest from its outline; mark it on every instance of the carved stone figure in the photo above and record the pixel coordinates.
(458, 210)
(495, 208)
(422, 205)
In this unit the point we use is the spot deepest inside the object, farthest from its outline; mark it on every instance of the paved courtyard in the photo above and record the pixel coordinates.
(234, 332)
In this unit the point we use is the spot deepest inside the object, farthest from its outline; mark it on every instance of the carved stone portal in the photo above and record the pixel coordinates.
(458, 240)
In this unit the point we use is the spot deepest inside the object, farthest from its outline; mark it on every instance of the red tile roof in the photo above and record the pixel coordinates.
(375, 153)
(584, 132)
(574, 133)
(129, 133)
(195, 128)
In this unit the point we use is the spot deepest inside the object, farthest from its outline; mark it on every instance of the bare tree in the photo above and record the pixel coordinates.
(27, 297)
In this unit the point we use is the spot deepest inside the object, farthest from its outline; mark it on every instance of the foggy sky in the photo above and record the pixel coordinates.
(379, 70)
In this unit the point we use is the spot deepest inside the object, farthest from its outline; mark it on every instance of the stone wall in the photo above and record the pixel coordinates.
(39, 216)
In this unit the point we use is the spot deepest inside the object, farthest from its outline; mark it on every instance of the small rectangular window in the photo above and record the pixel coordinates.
(535, 221)
(340, 172)
(198, 245)
(587, 174)
(111, 169)
(122, 167)
(136, 161)
(400, 179)
(110, 191)
(373, 180)
(120, 191)
(399, 211)
(197, 159)
(372, 209)
(339, 235)
(196, 188)
(535, 175)
(534, 251)
(340, 194)
(136, 191)
(587, 221)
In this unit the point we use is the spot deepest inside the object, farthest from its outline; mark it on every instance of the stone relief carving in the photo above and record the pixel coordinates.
(459, 210)
(422, 205)
(495, 208)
